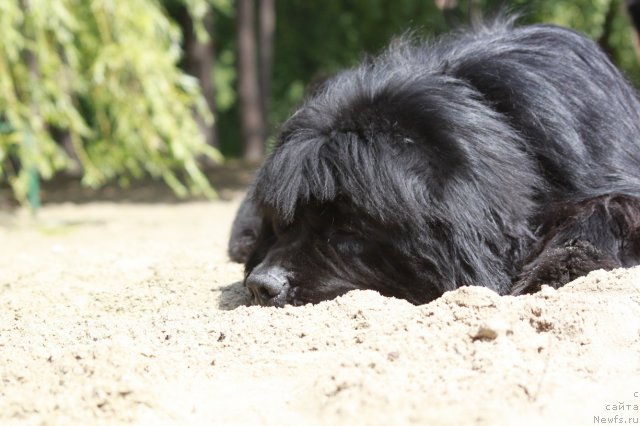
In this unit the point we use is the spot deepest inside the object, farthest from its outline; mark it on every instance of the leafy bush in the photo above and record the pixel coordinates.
(102, 76)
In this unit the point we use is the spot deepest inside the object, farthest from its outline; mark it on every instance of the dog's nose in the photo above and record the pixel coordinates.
(268, 285)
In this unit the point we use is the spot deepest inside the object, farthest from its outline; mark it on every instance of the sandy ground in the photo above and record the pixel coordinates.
(130, 313)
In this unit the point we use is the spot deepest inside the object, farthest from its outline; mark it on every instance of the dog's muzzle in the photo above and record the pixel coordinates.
(269, 285)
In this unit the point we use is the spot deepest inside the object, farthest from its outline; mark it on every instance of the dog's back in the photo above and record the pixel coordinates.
(579, 116)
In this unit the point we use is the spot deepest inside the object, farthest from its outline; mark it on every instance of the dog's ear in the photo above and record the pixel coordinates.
(244, 231)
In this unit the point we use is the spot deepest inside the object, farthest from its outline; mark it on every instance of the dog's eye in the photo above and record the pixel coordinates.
(346, 243)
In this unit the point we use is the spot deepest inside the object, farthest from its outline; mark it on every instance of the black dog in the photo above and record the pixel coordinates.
(504, 157)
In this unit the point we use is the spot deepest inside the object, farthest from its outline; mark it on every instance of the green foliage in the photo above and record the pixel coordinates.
(224, 78)
(104, 74)
(315, 39)
(588, 16)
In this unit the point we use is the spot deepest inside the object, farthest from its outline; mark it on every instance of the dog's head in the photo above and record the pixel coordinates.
(388, 180)
(329, 248)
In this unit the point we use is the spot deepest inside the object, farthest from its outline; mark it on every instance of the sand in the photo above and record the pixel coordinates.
(130, 313)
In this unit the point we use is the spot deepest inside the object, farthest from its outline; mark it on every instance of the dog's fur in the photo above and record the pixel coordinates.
(502, 157)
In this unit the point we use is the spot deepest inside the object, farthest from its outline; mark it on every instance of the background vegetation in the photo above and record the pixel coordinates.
(120, 89)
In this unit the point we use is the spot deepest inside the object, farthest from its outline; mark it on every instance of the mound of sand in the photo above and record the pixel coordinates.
(131, 313)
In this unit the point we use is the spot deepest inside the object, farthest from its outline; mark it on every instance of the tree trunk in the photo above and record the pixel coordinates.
(474, 13)
(607, 28)
(199, 62)
(29, 141)
(267, 33)
(251, 118)
(448, 8)
(633, 9)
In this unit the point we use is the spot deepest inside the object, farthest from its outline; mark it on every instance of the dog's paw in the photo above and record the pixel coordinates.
(558, 266)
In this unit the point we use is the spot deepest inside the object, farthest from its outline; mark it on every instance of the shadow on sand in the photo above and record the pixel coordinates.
(233, 296)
